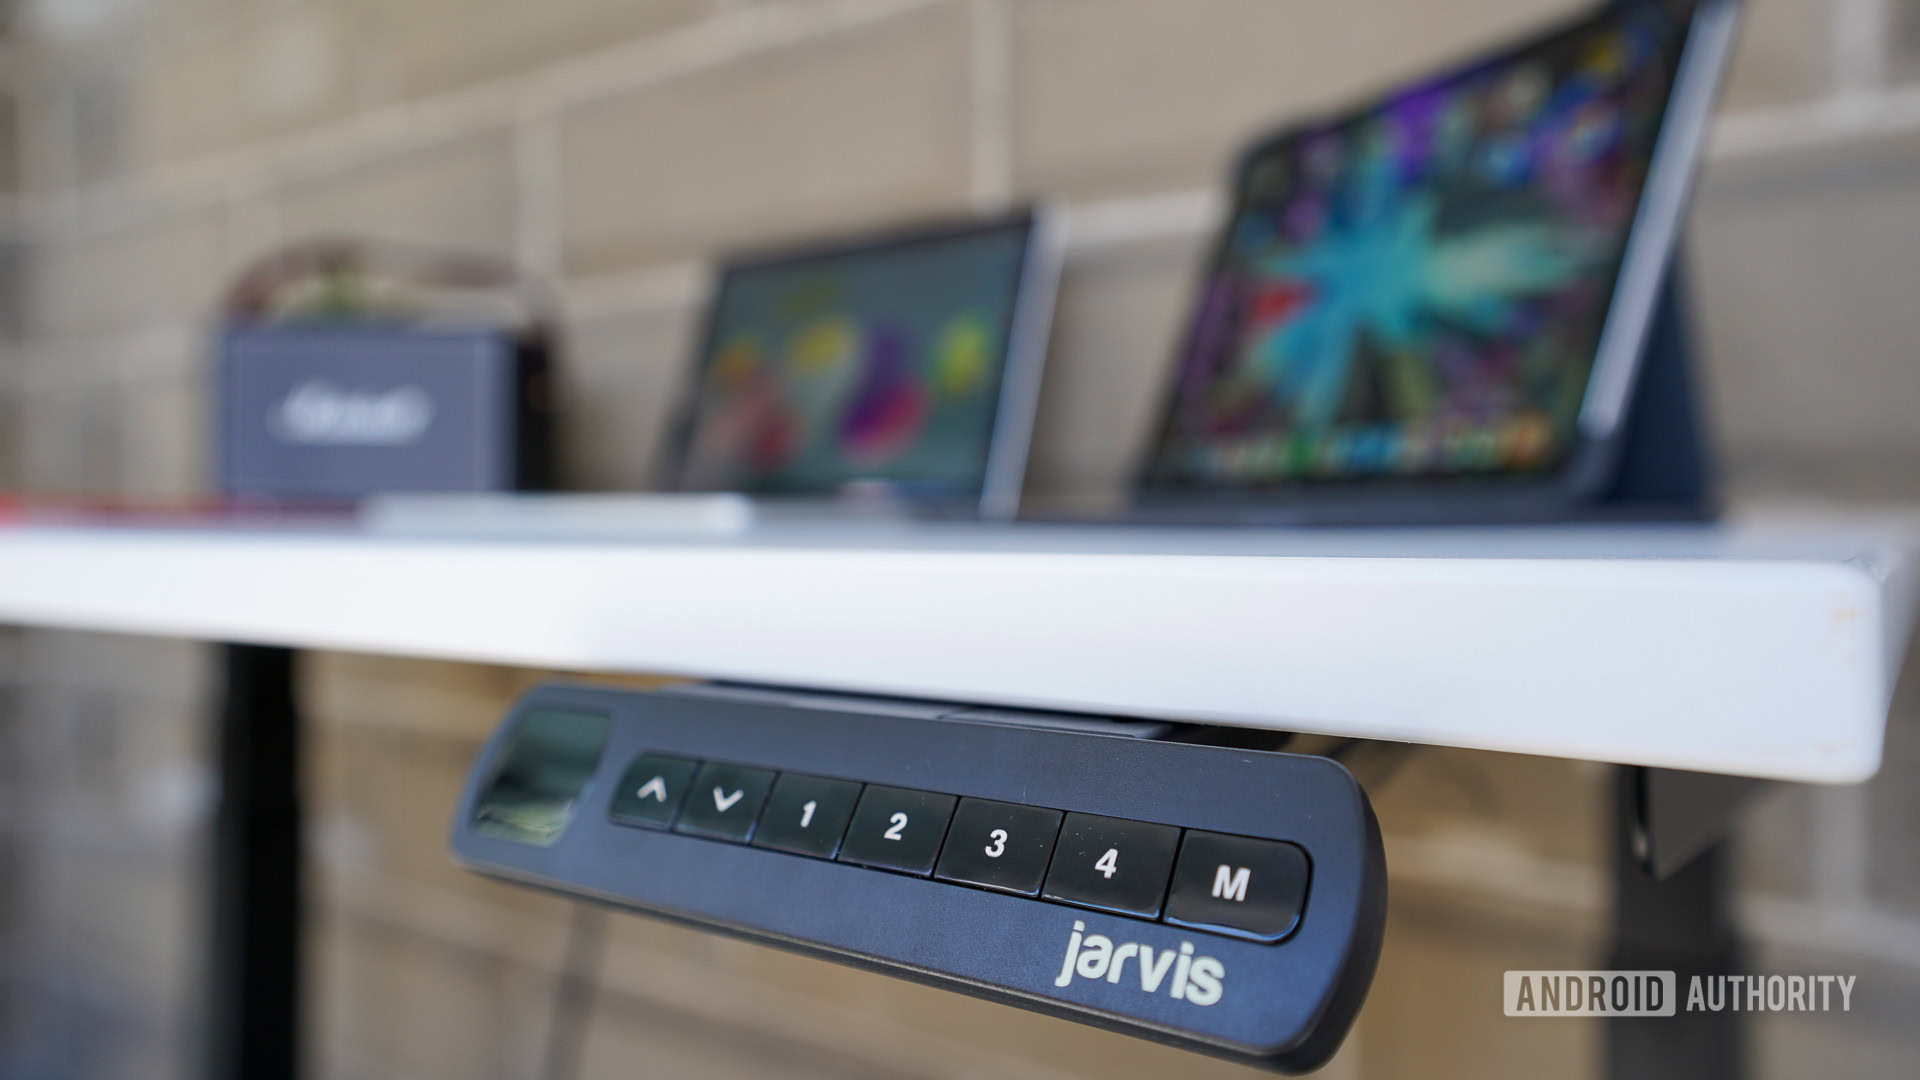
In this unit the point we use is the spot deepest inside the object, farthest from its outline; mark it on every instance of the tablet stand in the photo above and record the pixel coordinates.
(1664, 468)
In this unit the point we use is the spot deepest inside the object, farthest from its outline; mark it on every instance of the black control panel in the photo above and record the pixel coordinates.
(1224, 899)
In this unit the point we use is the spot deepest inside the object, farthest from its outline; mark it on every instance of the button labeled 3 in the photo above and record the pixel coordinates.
(999, 845)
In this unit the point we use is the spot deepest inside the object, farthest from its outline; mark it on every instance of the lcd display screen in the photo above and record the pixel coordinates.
(1417, 289)
(540, 776)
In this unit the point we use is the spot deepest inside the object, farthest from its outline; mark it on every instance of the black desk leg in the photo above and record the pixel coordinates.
(1682, 923)
(254, 972)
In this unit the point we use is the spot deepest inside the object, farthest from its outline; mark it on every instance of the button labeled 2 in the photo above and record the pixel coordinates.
(806, 815)
(897, 829)
(999, 845)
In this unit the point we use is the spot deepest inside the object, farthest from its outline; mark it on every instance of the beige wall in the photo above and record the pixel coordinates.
(617, 144)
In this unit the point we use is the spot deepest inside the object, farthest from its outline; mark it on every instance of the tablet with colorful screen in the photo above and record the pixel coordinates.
(1451, 283)
(909, 363)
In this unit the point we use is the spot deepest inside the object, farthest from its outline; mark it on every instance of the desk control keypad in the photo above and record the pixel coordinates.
(1108, 864)
(1226, 900)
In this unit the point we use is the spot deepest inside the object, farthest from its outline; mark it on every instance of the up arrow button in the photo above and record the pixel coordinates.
(738, 793)
(651, 791)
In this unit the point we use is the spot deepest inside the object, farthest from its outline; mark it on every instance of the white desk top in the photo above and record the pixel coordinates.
(1766, 650)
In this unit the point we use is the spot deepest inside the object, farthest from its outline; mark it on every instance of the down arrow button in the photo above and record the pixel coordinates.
(726, 802)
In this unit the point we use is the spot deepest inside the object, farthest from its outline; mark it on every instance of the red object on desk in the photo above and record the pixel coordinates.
(44, 508)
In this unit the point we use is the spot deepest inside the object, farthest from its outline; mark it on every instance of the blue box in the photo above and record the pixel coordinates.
(322, 412)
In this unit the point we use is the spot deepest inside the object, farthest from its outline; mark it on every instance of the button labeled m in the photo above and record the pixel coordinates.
(1230, 883)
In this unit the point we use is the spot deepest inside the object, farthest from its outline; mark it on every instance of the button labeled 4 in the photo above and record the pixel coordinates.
(1112, 864)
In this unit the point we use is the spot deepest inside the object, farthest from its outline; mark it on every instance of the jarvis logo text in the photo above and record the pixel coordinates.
(1185, 977)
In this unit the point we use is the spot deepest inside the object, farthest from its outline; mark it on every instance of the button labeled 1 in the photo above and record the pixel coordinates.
(897, 829)
(1238, 885)
(806, 815)
(999, 845)
(1112, 864)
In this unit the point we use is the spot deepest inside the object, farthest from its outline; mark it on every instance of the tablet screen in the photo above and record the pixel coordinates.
(880, 363)
(1417, 289)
